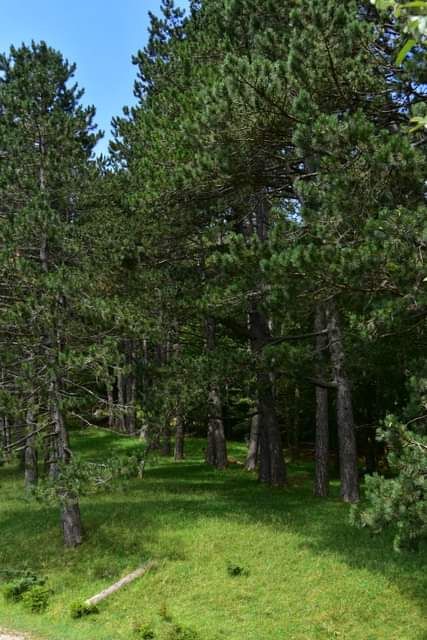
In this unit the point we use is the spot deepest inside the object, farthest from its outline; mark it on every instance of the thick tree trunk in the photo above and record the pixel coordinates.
(179, 436)
(31, 472)
(272, 468)
(321, 482)
(254, 442)
(216, 454)
(71, 524)
(345, 420)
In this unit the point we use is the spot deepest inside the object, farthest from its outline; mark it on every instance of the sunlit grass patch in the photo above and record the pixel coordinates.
(307, 573)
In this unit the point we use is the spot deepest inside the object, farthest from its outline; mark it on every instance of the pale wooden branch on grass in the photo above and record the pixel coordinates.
(121, 583)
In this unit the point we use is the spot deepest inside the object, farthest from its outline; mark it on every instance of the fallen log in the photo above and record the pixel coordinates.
(121, 583)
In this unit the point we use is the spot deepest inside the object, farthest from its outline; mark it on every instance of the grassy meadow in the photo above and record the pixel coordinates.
(308, 575)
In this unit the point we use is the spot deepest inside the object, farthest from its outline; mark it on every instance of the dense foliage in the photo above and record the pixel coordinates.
(248, 262)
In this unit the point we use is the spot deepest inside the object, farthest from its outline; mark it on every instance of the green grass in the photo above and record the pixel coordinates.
(308, 574)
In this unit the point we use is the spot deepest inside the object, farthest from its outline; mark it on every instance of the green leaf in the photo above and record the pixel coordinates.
(415, 4)
(405, 50)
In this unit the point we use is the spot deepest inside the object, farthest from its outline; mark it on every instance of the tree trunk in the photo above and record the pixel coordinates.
(110, 403)
(216, 454)
(6, 437)
(179, 436)
(295, 433)
(217, 447)
(272, 468)
(345, 420)
(121, 398)
(321, 482)
(70, 510)
(31, 472)
(166, 447)
(254, 442)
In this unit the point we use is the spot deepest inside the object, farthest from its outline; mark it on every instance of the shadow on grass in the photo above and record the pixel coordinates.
(122, 526)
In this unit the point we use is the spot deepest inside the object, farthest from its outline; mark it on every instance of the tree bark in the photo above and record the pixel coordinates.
(272, 468)
(254, 442)
(31, 471)
(166, 447)
(110, 404)
(70, 511)
(216, 454)
(345, 420)
(179, 436)
(6, 437)
(217, 447)
(321, 481)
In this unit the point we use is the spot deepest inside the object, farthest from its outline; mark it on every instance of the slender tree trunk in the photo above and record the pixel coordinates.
(121, 398)
(70, 510)
(254, 442)
(217, 447)
(31, 472)
(179, 436)
(295, 434)
(321, 482)
(166, 447)
(216, 454)
(110, 404)
(6, 437)
(130, 387)
(345, 420)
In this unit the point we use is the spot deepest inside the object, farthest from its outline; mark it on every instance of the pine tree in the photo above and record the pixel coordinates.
(46, 144)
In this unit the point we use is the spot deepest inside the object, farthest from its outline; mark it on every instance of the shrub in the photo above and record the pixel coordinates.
(234, 570)
(178, 632)
(36, 599)
(81, 609)
(400, 501)
(14, 591)
(164, 613)
(144, 631)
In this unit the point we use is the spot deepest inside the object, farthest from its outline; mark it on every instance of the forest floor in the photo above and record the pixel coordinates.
(307, 574)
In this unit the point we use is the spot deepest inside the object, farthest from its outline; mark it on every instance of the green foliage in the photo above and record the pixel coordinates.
(179, 632)
(15, 591)
(80, 478)
(144, 631)
(36, 599)
(164, 612)
(235, 570)
(400, 501)
(81, 610)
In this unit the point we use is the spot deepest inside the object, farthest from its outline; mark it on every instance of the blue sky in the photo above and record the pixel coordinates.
(100, 36)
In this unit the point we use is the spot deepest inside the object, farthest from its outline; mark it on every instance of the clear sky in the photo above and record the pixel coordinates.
(100, 36)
